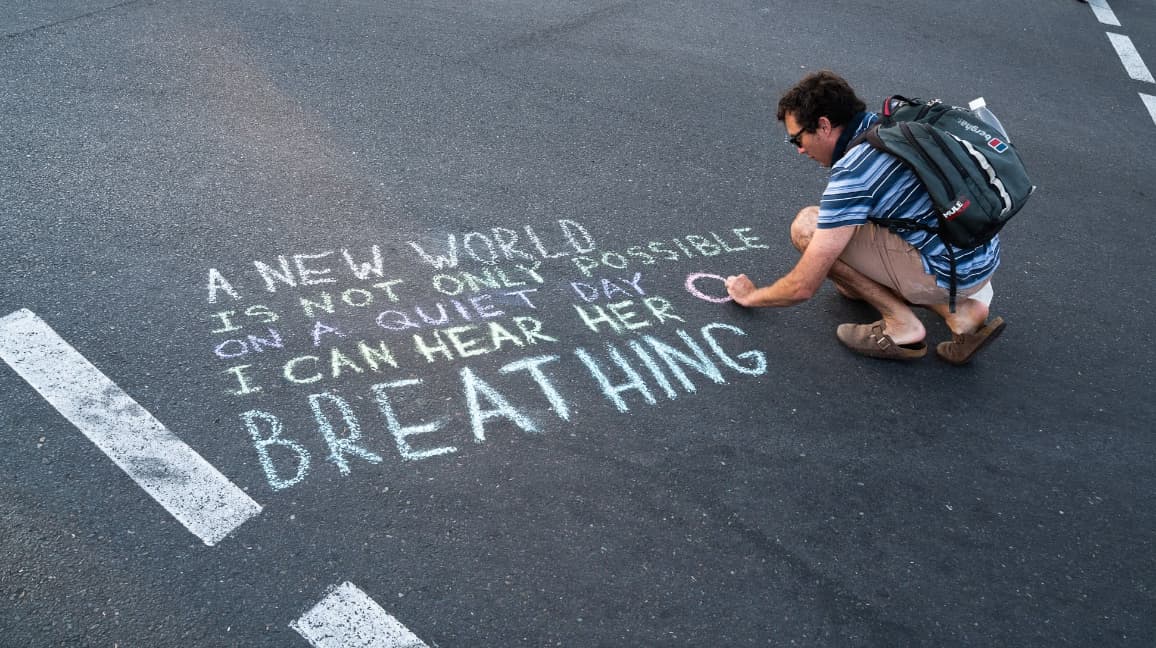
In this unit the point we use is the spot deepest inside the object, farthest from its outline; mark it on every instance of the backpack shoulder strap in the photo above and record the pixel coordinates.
(870, 136)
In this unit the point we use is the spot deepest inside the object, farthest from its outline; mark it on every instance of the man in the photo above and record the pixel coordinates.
(891, 270)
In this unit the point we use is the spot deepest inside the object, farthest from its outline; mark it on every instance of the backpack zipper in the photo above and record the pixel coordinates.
(943, 144)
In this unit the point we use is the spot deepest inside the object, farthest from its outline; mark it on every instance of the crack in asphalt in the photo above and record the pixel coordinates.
(62, 21)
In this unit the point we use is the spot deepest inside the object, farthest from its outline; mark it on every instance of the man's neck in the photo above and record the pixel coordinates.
(847, 131)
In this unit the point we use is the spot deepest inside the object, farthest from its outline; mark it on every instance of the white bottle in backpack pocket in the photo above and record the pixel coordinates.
(979, 107)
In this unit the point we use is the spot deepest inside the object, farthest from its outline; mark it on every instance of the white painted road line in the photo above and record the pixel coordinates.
(346, 618)
(190, 488)
(1150, 102)
(1130, 58)
(1103, 12)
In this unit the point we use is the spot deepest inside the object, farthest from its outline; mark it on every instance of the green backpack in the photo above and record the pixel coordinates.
(974, 175)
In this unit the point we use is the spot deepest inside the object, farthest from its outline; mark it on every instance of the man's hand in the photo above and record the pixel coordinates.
(739, 288)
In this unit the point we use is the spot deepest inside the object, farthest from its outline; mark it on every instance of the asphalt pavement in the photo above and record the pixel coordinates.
(398, 324)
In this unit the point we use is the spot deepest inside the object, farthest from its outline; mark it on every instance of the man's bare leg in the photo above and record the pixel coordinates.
(969, 315)
(899, 321)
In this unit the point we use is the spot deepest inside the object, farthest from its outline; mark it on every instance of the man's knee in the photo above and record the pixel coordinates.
(803, 227)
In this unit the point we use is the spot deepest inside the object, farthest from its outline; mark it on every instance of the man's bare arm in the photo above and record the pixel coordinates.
(803, 280)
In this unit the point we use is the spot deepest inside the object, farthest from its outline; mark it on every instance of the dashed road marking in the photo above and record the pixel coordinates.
(1130, 58)
(347, 617)
(179, 479)
(1150, 102)
(1103, 12)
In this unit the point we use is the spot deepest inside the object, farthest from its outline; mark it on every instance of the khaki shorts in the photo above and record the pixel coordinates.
(887, 259)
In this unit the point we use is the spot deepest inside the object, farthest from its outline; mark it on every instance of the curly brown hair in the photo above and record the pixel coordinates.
(821, 94)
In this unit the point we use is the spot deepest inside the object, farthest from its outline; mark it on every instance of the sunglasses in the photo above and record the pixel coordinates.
(795, 140)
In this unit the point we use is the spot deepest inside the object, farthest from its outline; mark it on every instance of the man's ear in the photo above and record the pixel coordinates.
(824, 125)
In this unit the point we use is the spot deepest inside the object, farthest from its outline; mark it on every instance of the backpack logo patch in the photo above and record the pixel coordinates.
(956, 209)
(994, 143)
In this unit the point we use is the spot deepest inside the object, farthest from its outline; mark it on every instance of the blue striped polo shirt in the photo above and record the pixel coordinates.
(868, 183)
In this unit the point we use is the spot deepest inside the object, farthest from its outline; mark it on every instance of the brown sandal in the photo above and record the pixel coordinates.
(871, 341)
(962, 348)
